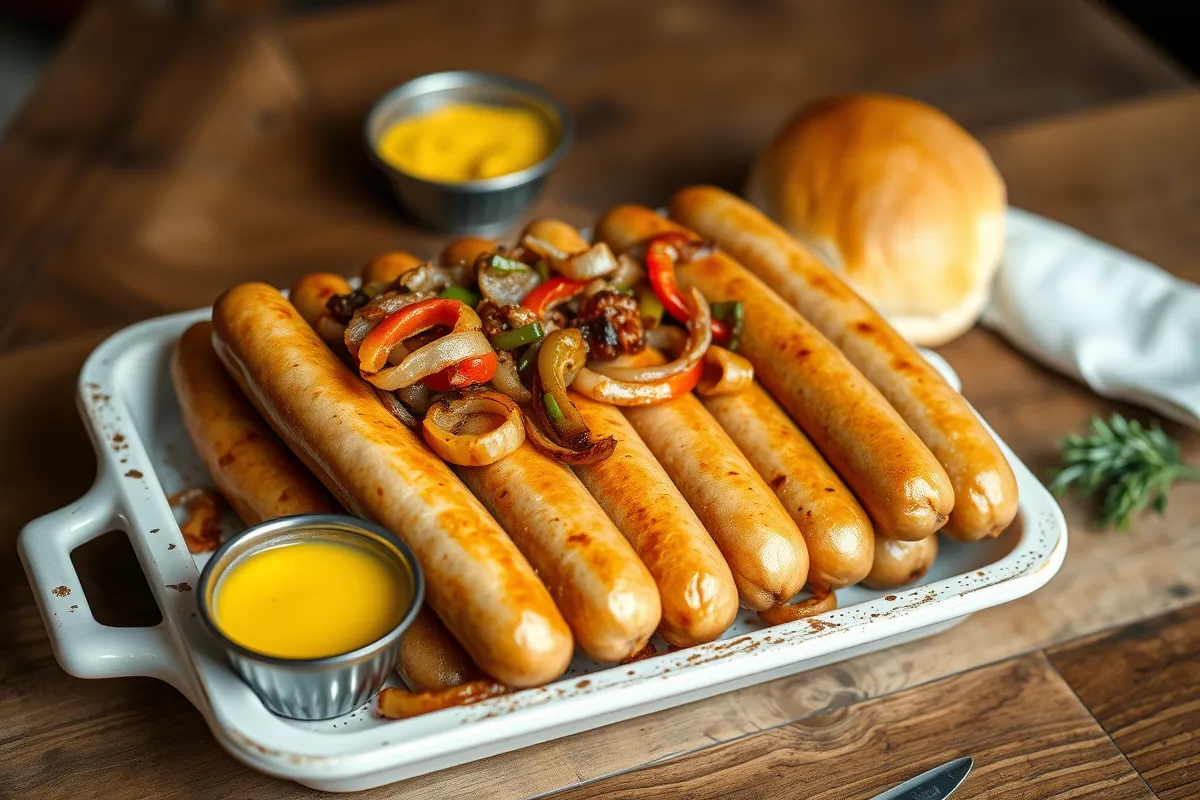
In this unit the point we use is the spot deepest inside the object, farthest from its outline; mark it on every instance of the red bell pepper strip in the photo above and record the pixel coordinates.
(395, 328)
(378, 344)
(661, 254)
(548, 294)
(467, 372)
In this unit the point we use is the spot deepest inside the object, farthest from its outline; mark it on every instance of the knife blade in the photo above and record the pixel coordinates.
(936, 784)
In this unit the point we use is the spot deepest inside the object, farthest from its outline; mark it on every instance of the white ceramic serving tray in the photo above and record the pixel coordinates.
(129, 407)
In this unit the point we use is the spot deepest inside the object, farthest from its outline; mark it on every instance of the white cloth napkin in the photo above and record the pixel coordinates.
(1124, 327)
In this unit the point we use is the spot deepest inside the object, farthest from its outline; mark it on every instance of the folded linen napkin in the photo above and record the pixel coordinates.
(1124, 327)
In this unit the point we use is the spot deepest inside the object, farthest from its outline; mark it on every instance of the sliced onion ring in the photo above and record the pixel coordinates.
(671, 338)
(809, 607)
(506, 380)
(396, 408)
(698, 341)
(449, 415)
(548, 447)
(544, 248)
(725, 372)
(369, 316)
(595, 262)
(433, 357)
(593, 385)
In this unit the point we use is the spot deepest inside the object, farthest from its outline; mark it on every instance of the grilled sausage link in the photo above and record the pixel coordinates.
(262, 480)
(836, 530)
(256, 474)
(606, 594)
(904, 489)
(985, 489)
(478, 582)
(699, 596)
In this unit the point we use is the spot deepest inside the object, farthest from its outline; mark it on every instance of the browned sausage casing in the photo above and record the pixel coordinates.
(836, 530)
(256, 474)
(893, 474)
(478, 582)
(760, 542)
(261, 480)
(699, 597)
(899, 563)
(605, 592)
(985, 488)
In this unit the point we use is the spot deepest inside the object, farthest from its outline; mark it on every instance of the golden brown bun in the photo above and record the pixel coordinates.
(897, 196)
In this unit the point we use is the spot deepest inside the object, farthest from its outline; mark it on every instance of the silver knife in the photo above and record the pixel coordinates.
(936, 784)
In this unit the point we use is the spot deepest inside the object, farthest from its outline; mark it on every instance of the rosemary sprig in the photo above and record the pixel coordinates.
(1133, 465)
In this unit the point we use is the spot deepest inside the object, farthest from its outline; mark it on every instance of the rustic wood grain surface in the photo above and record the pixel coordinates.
(162, 160)
(1142, 684)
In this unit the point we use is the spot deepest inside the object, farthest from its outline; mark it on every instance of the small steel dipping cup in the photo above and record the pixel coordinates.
(488, 206)
(312, 688)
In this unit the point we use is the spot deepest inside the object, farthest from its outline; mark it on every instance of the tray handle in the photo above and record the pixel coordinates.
(84, 647)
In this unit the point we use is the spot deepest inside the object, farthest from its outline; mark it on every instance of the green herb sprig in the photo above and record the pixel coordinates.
(1133, 465)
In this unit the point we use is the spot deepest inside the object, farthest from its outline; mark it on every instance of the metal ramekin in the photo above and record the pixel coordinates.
(485, 207)
(312, 688)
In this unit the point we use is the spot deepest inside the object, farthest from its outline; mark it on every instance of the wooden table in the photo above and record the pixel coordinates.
(162, 160)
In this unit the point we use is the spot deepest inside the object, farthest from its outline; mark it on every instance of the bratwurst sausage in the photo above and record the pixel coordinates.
(699, 597)
(893, 474)
(606, 594)
(985, 489)
(256, 474)
(836, 530)
(478, 582)
(760, 542)
(262, 480)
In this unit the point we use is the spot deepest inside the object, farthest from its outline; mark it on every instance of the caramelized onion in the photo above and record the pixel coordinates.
(560, 357)
(396, 408)
(724, 372)
(595, 262)
(629, 273)
(604, 389)
(548, 447)
(433, 357)
(507, 380)
(809, 607)
(366, 318)
(396, 703)
(457, 429)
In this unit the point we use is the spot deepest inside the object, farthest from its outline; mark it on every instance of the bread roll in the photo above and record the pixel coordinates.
(899, 198)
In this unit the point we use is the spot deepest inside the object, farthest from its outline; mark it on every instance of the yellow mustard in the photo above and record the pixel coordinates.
(466, 142)
(311, 599)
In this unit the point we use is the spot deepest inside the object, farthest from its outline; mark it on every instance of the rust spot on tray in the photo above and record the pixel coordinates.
(60, 591)
(171, 546)
(180, 587)
(134, 473)
(583, 684)
(890, 597)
